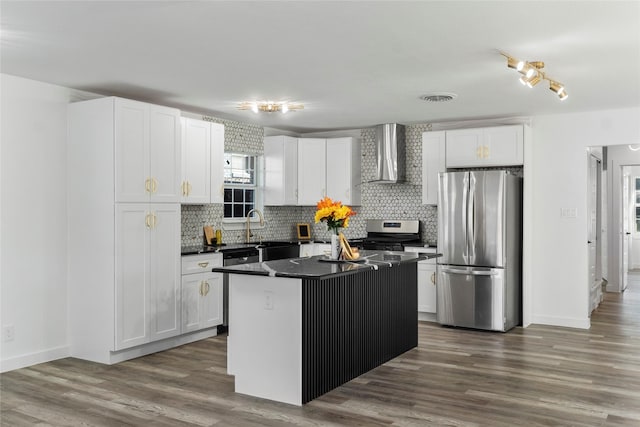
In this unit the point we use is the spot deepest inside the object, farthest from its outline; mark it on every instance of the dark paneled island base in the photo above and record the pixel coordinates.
(353, 323)
(294, 336)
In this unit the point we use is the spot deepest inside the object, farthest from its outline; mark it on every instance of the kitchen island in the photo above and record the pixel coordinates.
(303, 326)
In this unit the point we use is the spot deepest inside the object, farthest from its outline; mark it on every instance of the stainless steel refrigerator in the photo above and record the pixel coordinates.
(480, 237)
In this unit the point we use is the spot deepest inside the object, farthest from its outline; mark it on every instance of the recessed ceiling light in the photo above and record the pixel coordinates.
(439, 97)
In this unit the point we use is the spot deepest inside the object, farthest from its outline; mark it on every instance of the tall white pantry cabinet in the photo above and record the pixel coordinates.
(124, 227)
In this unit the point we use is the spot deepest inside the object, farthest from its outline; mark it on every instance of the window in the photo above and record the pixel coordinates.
(240, 185)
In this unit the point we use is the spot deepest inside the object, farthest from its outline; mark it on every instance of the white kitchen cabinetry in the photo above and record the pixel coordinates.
(281, 171)
(124, 257)
(312, 249)
(217, 163)
(329, 167)
(426, 284)
(202, 161)
(147, 276)
(147, 151)
(312, 170)
(196, 162)
(433, 162)
(344, 170)
(495, 146)
(201, 292)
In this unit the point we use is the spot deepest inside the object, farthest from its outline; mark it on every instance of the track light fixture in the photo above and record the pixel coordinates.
(532, 74)
(269, 106)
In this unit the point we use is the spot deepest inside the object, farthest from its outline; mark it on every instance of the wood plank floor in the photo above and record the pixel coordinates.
(534, 376)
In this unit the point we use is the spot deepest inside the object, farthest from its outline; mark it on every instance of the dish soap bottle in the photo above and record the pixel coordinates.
(218, 237)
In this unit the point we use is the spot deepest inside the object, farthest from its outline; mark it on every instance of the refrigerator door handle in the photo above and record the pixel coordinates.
(465, 218)
(469, 272)
(471, 217)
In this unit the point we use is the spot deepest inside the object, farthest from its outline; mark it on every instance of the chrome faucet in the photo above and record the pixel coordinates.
(249, 225)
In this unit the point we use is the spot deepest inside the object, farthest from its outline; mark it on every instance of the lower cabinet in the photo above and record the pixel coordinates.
(147, 285)
(201, 292)
(426, 282)
(312, 249)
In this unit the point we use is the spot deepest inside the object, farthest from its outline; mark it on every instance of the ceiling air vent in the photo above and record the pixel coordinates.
(438, 97)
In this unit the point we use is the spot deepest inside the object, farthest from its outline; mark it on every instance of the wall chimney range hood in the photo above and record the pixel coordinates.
(390, 154)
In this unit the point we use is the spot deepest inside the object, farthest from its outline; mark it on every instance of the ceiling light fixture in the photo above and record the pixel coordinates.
(269, 106)
(532, 74)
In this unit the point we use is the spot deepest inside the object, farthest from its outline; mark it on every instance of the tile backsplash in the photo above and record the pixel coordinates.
(379, 201)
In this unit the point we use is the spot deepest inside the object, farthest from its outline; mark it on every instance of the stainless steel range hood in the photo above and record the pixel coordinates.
(390, 154)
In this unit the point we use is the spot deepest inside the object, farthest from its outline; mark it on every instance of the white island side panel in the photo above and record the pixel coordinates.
(265, 337)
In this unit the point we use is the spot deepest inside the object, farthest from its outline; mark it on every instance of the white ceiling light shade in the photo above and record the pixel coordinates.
(269, 106)
(532, 74)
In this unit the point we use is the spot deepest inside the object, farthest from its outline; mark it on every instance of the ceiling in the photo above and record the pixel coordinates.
(352, 64)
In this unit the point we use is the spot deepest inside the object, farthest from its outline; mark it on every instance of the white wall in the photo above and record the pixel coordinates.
(558, 250)
(33, 254)
(634, 251)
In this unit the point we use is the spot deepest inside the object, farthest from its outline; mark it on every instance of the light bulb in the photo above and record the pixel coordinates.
(285, 108)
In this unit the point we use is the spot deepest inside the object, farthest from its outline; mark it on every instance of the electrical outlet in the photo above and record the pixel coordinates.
(268, 300)
(8, 333)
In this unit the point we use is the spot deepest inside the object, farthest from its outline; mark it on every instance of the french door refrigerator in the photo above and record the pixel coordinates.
(479, 236)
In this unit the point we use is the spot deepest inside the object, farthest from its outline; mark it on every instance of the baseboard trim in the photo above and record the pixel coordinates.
(31, 359)
(567, 322)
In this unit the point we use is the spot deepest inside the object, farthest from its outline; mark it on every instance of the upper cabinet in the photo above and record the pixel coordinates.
(217, 163)
(281, 171)
(433, 162)
(147, 152)
(202, 162)
(312, 170)
(301, 171)
(343, 170)
(196, 163)
(329, 167)
(495, 146)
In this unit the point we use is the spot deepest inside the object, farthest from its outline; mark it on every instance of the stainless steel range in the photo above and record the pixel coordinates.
(391, 235)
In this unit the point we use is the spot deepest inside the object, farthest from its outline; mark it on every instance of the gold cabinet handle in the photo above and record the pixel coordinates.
(147, 220)
(485, 152)
(206, 288)
(479, 152)
(201, 289)
(183, 189)
(155, 221)
(189, 187)
(147, 185)
(433, 277)
(154, 185)
(203, 264)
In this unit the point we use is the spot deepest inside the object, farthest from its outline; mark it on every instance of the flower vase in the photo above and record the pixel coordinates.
(335, 246)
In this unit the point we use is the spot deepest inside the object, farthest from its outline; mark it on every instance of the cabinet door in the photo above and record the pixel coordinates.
(281, 171)
(192, 285)
(164, 263)
(312, 170)
(132, 173)
(343, 166)
(503, 146)
(427, 286)
(164, 154)
(132, 290)
(463, 148)
(433, 162)
(196, 161)
(217, 163)
(211, 300)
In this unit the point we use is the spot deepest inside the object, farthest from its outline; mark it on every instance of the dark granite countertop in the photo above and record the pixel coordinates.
(319, 266)
(202, 249)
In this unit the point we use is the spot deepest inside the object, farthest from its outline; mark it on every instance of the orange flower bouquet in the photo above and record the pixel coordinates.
(335, 214)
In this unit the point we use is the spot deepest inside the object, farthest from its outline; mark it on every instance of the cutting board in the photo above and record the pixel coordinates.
(208, 234)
